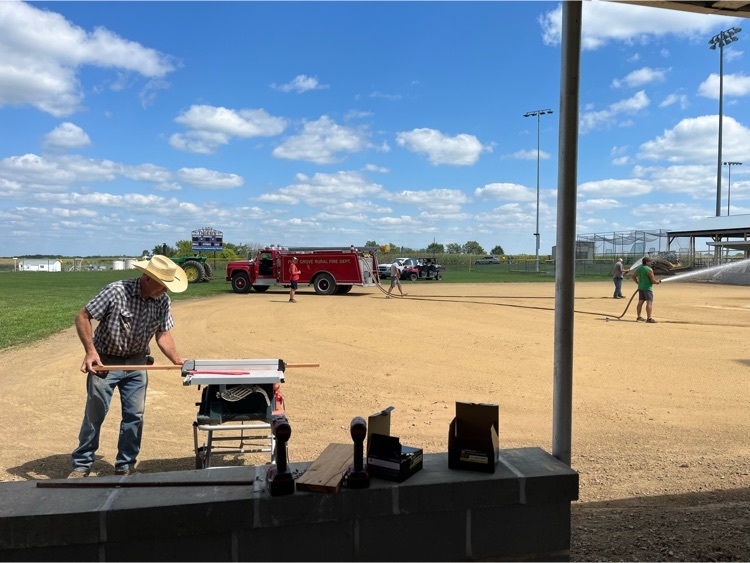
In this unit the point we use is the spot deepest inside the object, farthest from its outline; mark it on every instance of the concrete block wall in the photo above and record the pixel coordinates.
(521, 512)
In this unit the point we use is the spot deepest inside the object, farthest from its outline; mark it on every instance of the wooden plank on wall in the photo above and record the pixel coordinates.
(326, 473)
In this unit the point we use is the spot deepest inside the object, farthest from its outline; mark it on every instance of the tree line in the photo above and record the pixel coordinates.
(232, 251)
(469, 247)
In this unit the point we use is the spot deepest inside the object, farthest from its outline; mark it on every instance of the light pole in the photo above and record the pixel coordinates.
(729, 184)
(538, 114)
(723, 38)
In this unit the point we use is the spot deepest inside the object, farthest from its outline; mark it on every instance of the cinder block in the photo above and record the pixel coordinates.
(215, 547)
(425, 536)
(547, 479)
(48, 530)
(323, 541)
(88, 552)
(178, 520)
(515, 531)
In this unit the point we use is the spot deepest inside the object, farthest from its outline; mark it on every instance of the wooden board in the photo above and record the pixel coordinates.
(326, 473)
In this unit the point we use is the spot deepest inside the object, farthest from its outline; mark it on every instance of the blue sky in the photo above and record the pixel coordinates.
(129, 124)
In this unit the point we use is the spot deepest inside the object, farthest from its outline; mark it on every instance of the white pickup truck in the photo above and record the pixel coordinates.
(384, 270)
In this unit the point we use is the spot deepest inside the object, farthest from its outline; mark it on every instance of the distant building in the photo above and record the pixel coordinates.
(27, 265)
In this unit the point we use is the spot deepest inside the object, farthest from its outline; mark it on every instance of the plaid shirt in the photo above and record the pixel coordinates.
(127, 322)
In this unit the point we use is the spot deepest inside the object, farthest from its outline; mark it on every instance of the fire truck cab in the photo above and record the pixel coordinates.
(328, 270)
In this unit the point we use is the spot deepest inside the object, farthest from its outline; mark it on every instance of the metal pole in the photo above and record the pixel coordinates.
(562, 410)
(721, 119)
(729, 188)
(538, 120)
(729, 183)
(537, 113)
(722, 38)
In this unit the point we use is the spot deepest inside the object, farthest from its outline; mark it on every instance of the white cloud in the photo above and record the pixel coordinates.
(281, 199)
(211, 126)
(606, 22)
(591, 120)
(37, 173)
(321, 142)
(147, 95)
(66, 136)
(695, 140)
(375, 168)
(510, 192)
(629, 187)
(530, 154)
(209, 179)
(198, 142)
(148, 173)
(461, 150)
(639, 77)
(672, 99)
(301, 83)
(355, 210)
(41, 53)
(737, 85)
(694, 180)
(596, 205)
(384, 96)
(438, 199)
(326, 189)
(685, 212)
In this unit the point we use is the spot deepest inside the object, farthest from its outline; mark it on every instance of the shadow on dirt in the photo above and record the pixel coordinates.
(710, 526)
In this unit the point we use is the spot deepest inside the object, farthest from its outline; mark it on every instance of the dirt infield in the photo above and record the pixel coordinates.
(661, 412)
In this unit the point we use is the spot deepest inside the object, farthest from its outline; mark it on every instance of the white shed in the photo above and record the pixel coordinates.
(50, 265)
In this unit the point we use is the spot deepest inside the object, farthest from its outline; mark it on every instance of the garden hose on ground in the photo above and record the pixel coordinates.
(376, 277)
(626, 307)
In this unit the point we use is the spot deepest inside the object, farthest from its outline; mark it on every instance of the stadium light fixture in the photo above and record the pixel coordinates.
(537, 113)
(723, 38)
(729, 183)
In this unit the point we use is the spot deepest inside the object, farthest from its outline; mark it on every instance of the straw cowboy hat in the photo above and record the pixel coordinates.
(166, 272)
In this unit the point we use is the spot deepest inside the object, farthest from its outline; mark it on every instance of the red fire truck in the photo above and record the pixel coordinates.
(328, 270)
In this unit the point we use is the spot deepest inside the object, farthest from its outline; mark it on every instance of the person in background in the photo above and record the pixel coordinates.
(294, 273)
(130, 313)
(395, 279)
(617, 278)
(644, 275)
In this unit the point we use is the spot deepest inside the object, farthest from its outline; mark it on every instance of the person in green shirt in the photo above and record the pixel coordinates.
(644, 275)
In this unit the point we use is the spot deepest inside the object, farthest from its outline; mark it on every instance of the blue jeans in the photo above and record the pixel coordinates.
(618, 287)
(132, 386)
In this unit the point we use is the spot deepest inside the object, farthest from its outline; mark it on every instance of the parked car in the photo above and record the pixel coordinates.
(384, 270)
(487, 260)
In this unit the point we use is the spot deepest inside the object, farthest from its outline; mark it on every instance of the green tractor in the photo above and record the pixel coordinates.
(196, 268)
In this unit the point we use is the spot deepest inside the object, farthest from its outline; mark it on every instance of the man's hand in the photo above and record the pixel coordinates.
(90, 363)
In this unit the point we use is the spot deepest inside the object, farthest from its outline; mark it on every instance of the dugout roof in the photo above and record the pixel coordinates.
(738, 9)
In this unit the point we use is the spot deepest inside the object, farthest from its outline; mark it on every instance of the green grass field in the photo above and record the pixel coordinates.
(35, 305)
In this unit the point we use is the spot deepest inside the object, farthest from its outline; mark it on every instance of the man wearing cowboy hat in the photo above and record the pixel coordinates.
(130, 313)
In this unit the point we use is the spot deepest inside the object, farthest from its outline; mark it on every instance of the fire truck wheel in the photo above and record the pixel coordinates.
(241, 282)
(194, 271)
(261, 288)
(341, 289)
(324, 284)
(413, 276)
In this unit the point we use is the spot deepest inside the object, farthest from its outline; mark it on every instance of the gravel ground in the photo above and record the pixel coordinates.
(661, 412)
